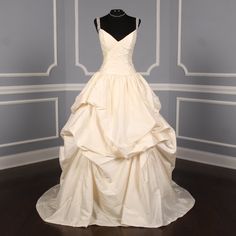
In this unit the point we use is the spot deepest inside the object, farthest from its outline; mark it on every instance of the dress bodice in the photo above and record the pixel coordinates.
(117, 54)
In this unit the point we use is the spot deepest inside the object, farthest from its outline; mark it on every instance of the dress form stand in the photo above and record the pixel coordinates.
(117, 23)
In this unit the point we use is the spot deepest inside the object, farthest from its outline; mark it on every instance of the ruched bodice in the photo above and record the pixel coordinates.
(117, 55)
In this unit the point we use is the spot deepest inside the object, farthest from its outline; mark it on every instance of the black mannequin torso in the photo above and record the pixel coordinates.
(117, 23)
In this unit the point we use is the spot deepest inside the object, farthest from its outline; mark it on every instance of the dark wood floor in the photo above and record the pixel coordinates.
(214, 213)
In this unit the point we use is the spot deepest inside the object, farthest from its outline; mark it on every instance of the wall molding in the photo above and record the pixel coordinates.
(231, 90)
(35, 156)
(180, 63)
(84, 68)
(54, 99)
(204, 157)
(54, 64)
(182, 99)
(30, 157)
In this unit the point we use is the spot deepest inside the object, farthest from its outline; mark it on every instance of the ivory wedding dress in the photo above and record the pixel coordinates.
(119, 152)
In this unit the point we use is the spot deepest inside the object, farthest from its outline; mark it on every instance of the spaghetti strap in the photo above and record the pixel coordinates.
(137, 19)
(98, 23)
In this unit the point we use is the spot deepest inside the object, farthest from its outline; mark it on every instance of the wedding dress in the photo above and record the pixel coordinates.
(119, 152)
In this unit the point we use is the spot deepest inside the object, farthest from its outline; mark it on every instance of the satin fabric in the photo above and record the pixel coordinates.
(118, 153)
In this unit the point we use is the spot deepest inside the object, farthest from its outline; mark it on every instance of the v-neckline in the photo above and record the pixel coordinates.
(118, 41)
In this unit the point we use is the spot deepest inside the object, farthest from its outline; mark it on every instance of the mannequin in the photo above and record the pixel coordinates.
(117, 23)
